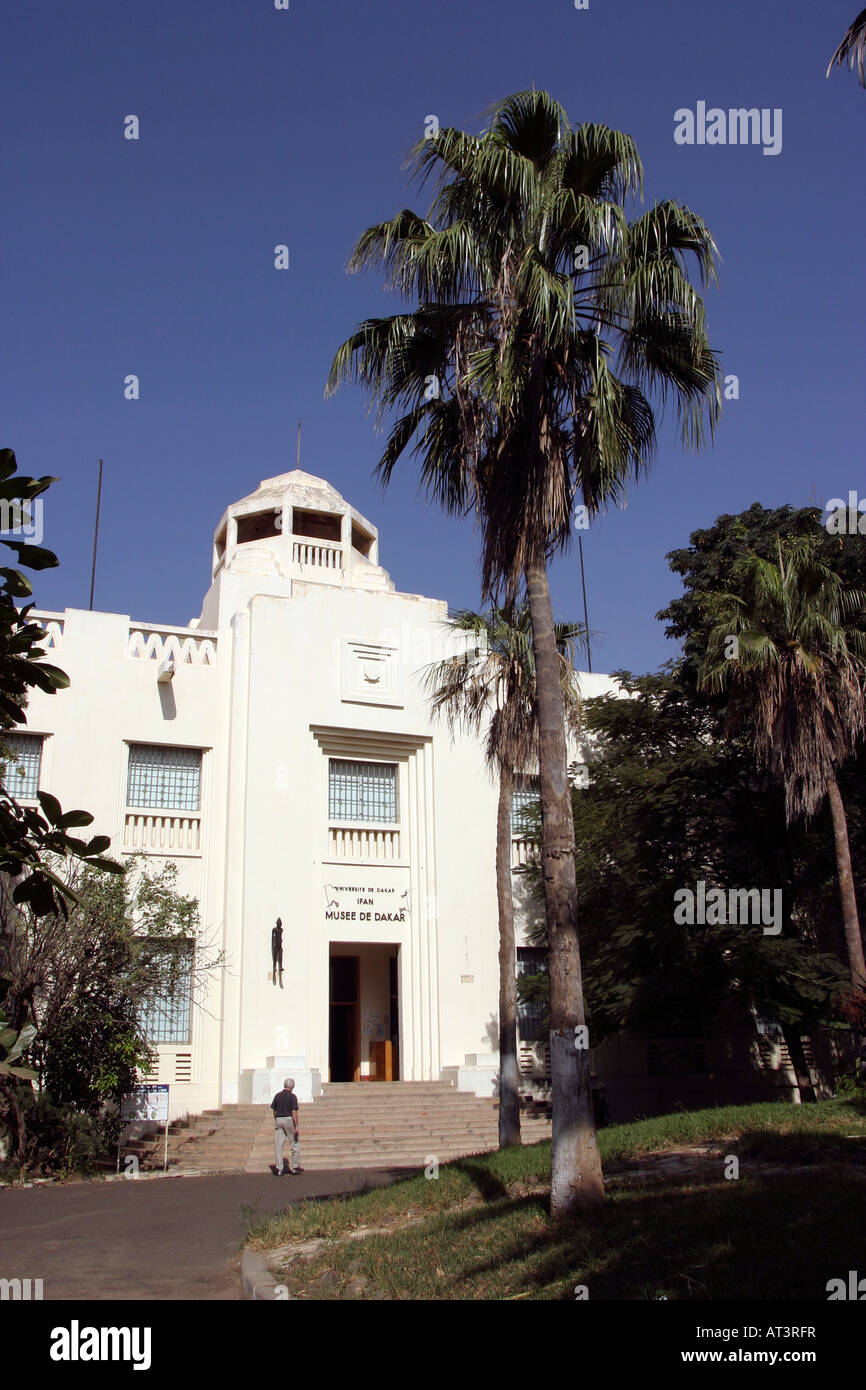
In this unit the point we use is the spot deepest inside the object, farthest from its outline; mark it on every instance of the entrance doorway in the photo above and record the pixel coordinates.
(344, 1046)
(364, 1012)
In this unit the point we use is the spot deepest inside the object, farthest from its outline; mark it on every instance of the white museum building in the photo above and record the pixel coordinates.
(280, 749)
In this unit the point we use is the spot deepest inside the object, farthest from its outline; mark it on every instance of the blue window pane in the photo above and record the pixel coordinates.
(530, 1012)
(168, 778)
(166, 1016)
(524, 807)
(362, 791)
(21, 773)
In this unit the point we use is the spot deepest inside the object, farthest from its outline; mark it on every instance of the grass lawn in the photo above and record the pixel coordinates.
(481, 1230)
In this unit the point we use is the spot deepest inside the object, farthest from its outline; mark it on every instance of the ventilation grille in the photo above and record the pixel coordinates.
(183, 1066)
(534, 1062)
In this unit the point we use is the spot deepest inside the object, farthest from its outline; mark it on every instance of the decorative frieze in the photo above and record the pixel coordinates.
(179, 645)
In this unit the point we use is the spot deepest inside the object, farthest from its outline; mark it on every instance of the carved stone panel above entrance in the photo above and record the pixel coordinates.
(370, 674)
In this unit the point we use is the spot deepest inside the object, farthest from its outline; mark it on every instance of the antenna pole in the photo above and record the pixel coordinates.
(95, 535)
(585, 613)
(299, 444)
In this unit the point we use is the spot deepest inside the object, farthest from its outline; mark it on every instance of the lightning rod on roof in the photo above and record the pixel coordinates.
(95, 535)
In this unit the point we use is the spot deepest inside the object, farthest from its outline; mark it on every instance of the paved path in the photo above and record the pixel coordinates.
(159, 1238)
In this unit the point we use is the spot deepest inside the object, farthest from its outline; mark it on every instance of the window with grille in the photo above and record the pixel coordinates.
(20, 772)
(768, 1027)
(169, 778)
(530, 1012)
(362, 791)
(525, 807)
(165, 1017)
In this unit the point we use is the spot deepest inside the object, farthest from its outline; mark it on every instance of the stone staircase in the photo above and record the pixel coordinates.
(397, 1124)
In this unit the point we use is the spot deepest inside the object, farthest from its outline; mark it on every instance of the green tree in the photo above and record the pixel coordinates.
(29, 839)
(39, 858)
(670, 801)
(785, 648)
(90, 979)
(705, 566)
(491, 687)
(544, 325)
(14, 1042)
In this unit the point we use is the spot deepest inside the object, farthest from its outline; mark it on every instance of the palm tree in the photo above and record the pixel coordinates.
(492, 684)
(798, 684)
(542, 323)
(852, 47)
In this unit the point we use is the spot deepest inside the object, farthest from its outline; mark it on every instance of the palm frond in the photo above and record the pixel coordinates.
(797, 677)
(853, 49)
(528, 248)
(491, 685)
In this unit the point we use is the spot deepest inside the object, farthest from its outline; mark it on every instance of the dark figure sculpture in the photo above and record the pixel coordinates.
(277, 952)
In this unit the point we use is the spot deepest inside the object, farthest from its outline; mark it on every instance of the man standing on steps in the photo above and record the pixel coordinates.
(285, 1108)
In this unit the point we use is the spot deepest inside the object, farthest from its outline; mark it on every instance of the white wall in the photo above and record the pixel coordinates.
(285, 690)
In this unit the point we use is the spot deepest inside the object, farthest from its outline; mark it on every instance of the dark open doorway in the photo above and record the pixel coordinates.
(344, 1045)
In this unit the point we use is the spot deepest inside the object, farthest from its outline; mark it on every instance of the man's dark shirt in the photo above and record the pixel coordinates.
(284, 1104)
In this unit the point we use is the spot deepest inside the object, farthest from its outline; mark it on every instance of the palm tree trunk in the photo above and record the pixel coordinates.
(575, 1177)
(850, 919)
(509, 1098)
(791, 1031)
(794, 1044)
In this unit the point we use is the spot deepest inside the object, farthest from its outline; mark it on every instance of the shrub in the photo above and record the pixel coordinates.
(38, 1135)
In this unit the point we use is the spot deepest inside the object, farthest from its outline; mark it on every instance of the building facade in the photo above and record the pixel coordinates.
(280, 750)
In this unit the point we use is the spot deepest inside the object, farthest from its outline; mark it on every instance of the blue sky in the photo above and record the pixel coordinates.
(260, 127)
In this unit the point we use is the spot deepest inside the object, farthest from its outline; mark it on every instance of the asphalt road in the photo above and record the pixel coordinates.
(148, 1238)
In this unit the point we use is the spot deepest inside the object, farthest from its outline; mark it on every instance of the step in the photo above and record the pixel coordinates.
(423, 1117)
(328, 1122)
(382, 1125)
(202, 1131)
(420, 1113)
(361, 1158)
(365, 1142)
(404, 1086)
